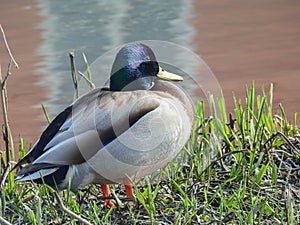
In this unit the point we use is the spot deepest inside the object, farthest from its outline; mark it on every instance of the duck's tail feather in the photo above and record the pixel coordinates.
(36, 175)
(50, 174)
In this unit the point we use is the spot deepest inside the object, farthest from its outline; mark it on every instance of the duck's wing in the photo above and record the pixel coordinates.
(57, 131)
(96, 124)
(52, 130)
(84, 128)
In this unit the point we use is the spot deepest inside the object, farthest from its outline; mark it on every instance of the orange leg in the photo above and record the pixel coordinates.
(129, 190)
(106, 193)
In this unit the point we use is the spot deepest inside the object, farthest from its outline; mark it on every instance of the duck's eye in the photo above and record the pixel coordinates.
(148, 68)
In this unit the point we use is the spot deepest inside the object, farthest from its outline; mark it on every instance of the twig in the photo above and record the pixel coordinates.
(92, 85)
(9, 146)
(5, 129)
(73, 70)
(8, 73)
(273, 136)
(4, 221)
(7, 48)
(72, 214)
(221, 157)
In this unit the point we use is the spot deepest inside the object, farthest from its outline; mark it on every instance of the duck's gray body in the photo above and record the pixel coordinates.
(110, 136)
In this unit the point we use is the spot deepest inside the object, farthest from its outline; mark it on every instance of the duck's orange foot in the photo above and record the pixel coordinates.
(106, 193)
(129, 192)
(110, 203)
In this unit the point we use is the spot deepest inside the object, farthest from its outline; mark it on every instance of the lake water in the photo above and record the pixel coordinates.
(95, 27)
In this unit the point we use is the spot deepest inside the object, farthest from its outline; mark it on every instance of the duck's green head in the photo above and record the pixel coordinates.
(135, 68)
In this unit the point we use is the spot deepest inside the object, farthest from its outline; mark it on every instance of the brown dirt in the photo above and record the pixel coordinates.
(251, 40)
(18, 19)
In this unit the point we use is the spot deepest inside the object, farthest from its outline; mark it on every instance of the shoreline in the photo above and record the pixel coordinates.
(24, 94)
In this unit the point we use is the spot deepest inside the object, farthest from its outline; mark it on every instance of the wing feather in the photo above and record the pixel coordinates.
(82, 129)
(46, 136)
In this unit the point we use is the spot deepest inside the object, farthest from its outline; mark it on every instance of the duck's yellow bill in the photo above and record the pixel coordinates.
(165, 75)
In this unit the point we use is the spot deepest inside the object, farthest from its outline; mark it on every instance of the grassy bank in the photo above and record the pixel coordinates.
(239, 168)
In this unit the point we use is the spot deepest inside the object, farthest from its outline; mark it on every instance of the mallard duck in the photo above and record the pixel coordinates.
(116, 134)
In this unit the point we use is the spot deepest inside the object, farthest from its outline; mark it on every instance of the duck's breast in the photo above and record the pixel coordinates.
(150, 142)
